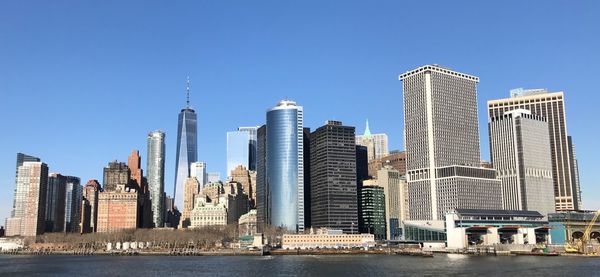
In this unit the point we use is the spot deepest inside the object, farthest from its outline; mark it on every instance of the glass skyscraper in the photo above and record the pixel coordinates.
(156, 176)
(238, 143)
(253, 133)
(186, 149)
(285, 166)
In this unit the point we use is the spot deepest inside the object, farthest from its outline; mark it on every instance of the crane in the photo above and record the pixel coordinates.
(582, 244)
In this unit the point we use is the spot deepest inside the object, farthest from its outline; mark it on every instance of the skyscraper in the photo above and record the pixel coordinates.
(90, 193)
(395, 190)
(551, 106)
(187, 152)
(372, 215)
(30, 209)
(74, 194)
(377, 144)
(252, 132)
(520, 152)
(238, 147)
(55, 203)
(285, 166)
(156, 176)
(198, 171)
(442, 144)
(21, 158)
(261, 179)
(575, 172)
(333, 177)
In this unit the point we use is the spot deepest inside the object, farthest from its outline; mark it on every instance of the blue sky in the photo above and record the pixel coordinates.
(82, 83)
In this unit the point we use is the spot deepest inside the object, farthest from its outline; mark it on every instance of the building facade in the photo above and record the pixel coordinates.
(243, 177)
(252, 133)
(442, 144)
(373, 210)
(520, 152)
(550, 105)
(90, 194)
(396, 159)
(192, 189)
(396, 200)
(285, 166)
(198, 171)
(261, 179)
(74, 194)
(333, 178)
(156, 176)
(247, 224)
(327, 239)
(116, 173)
(377, 144)
(118, 209)
(187, 148)
(55, 203)
(19, 195)
(30, 212)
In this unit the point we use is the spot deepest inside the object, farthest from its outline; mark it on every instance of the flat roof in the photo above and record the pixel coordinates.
(482, 212)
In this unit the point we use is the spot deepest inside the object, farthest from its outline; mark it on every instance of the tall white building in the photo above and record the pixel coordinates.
(442, 145)
(156, 176)
(550, 105)
(198, 171)
(520, 148)
(377, 144)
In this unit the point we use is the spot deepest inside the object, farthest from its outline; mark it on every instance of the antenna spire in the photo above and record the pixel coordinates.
(187, 89)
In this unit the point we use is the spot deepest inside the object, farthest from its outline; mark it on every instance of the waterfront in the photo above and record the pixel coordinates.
(337, 265)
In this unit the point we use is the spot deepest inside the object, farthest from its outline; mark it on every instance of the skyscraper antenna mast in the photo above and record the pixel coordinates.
(187, 89)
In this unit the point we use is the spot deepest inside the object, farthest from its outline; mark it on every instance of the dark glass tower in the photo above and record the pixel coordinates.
(186, 148)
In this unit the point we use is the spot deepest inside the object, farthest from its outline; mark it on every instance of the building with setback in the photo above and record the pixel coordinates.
(29, 212)
(187, 147)
(333, 177)
(442, 144)
(550, 105)
(520, 151)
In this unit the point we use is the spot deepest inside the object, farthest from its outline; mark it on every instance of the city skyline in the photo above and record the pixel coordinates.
(85, 152)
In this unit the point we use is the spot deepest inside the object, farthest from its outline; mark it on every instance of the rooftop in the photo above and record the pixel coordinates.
(482, 212)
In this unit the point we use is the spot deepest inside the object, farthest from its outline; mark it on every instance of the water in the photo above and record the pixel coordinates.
(359, 265)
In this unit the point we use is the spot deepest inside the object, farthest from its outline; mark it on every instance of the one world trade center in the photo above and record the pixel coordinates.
(187, 152)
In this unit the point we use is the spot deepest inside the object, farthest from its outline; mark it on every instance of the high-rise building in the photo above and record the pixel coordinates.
(575, 172)
(362, 174)
(396, 159)
(261, 179)
(333, 177)
(17, 207)
(285, 166)
(238, 147)
(243, 176)
(520, 152)
(442, 144)
(74, 194)
(192, 189)
(551, 106)
(213, 177)
(156, 176)
(198, 171)
(90, 194)
(115, 174)
(372, 215)
(55, 203)
(252, 132)
(307, 195)
(396, 201)
(30, 209)
(187, 152)
(377, 144)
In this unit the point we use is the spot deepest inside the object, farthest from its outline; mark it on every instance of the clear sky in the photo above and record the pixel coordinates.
(83, 82)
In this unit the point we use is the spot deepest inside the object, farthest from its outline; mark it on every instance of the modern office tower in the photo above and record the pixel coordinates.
(213, 177)
(242, 176)
(90, 194)
(575, 172)
(333, 177)
(116, 173)
(187, 152)
(442, 145)
(191, 190)
(372, 215)
(377, 144)
(396, 206)
(156, 176)
(252, 132)
(74, 194)
(21, 158)
(307, 183)
(396, 159)
(551, 106)
(285, 166)
(238, 147)
(362, 174)
(520, 152)
(55, 203)
(30, 208)
(198, 171)
(261, 179)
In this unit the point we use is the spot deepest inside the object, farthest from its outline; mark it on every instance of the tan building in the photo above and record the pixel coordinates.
(245, 177)
(29, 217)
(377, 144)
(118, 210)
(247, 224)
(396, 159)
(327, 238)
(208, 214)
(191, 190)
(91, 196)
(395, 190)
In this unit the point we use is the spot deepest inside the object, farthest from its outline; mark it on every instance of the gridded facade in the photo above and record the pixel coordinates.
(156, 176)
(520, 151)
(373, 211)
(115, 174)
(333, 178)
(118, 210)
(396, 208)
(552, 107)
(33, 178)
(55, 203)
(261, 178)
(441, 131)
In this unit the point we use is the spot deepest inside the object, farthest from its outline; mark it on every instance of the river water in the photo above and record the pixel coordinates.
(346, 265)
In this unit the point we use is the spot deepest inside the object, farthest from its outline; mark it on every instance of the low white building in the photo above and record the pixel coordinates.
(327, 238)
